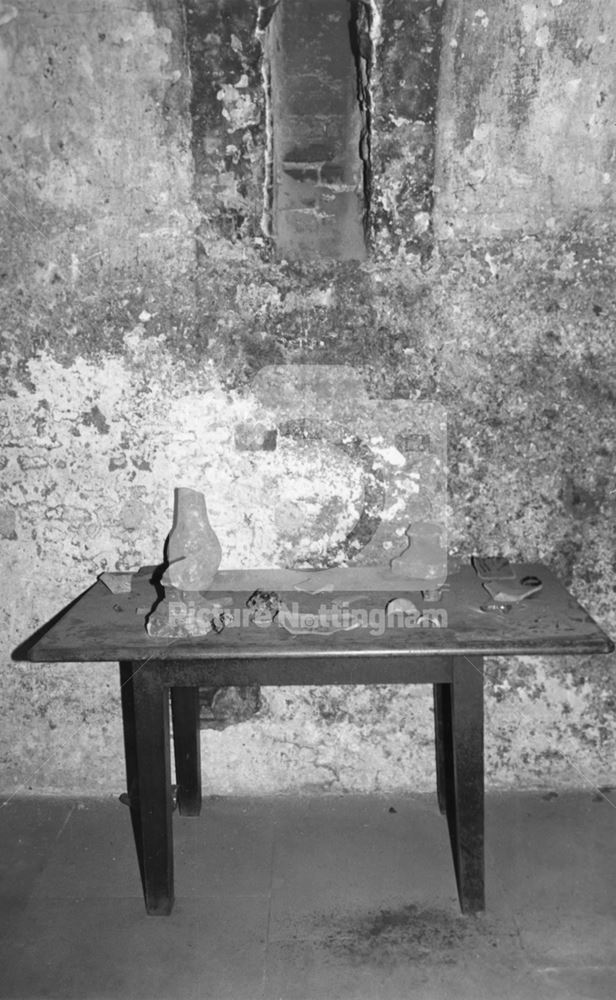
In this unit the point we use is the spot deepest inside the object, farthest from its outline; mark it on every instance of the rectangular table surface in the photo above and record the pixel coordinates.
(104, 626)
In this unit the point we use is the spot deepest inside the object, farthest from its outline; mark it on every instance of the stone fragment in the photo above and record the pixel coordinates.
(511, 592)
(193, 551)
(264, 606)
(255, 437)
(432, 595)
(401, 606)
(425, 558)
(326, 621)
(192, 558)
(222, 707)
(117, 583)
(186, 614)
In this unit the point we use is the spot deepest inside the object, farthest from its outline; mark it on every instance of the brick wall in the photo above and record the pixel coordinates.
(318, 177)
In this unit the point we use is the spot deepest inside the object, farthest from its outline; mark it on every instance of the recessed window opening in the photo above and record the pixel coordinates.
(317, 66)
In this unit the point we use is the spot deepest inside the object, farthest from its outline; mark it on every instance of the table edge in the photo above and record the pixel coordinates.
(170, 652)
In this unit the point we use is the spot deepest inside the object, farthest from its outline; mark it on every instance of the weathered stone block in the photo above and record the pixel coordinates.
(311, 152)
(333, 173)
(528, 101)
(8, 523)
(301, 174)
(255, 437)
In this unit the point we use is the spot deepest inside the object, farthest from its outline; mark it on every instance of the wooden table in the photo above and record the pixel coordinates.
(103, 626)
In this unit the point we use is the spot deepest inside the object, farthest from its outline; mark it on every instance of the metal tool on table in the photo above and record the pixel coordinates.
(499, 579)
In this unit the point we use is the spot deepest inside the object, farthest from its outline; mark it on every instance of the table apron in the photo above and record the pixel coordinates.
(309, 670)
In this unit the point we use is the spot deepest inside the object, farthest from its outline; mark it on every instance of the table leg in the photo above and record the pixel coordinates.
(463, 742)
(145, 706)
(187, 748)
(442, 740)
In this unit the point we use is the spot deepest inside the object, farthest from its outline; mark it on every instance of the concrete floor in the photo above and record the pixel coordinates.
(310, 899)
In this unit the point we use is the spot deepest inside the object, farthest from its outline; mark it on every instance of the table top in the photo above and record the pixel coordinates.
(103, 626)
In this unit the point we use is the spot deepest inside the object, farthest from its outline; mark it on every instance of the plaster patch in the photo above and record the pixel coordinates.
(391, 455)
(239, 109)
(572, 87)
(8, 13)
(8, 523)
(482, 131)
(85, 62)
(5, 65)
(529, 16)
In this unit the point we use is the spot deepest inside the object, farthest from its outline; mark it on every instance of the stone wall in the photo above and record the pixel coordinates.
(526, 118)
(141, 295)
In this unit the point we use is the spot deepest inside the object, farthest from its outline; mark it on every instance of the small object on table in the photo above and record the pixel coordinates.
(192, 557)
(401, 606)
(327, 621)
(425, 557)
(498, 607)
(184, 614)
(511, 593)
(117, 583)
(193, 552)
(264, 606)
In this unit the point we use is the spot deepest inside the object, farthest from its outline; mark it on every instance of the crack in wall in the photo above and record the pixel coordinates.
(264, 35)
(364, 29)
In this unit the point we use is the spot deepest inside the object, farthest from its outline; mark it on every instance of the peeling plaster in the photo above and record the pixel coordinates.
(540, 143)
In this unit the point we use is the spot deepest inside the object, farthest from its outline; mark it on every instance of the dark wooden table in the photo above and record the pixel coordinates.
(156, 674)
